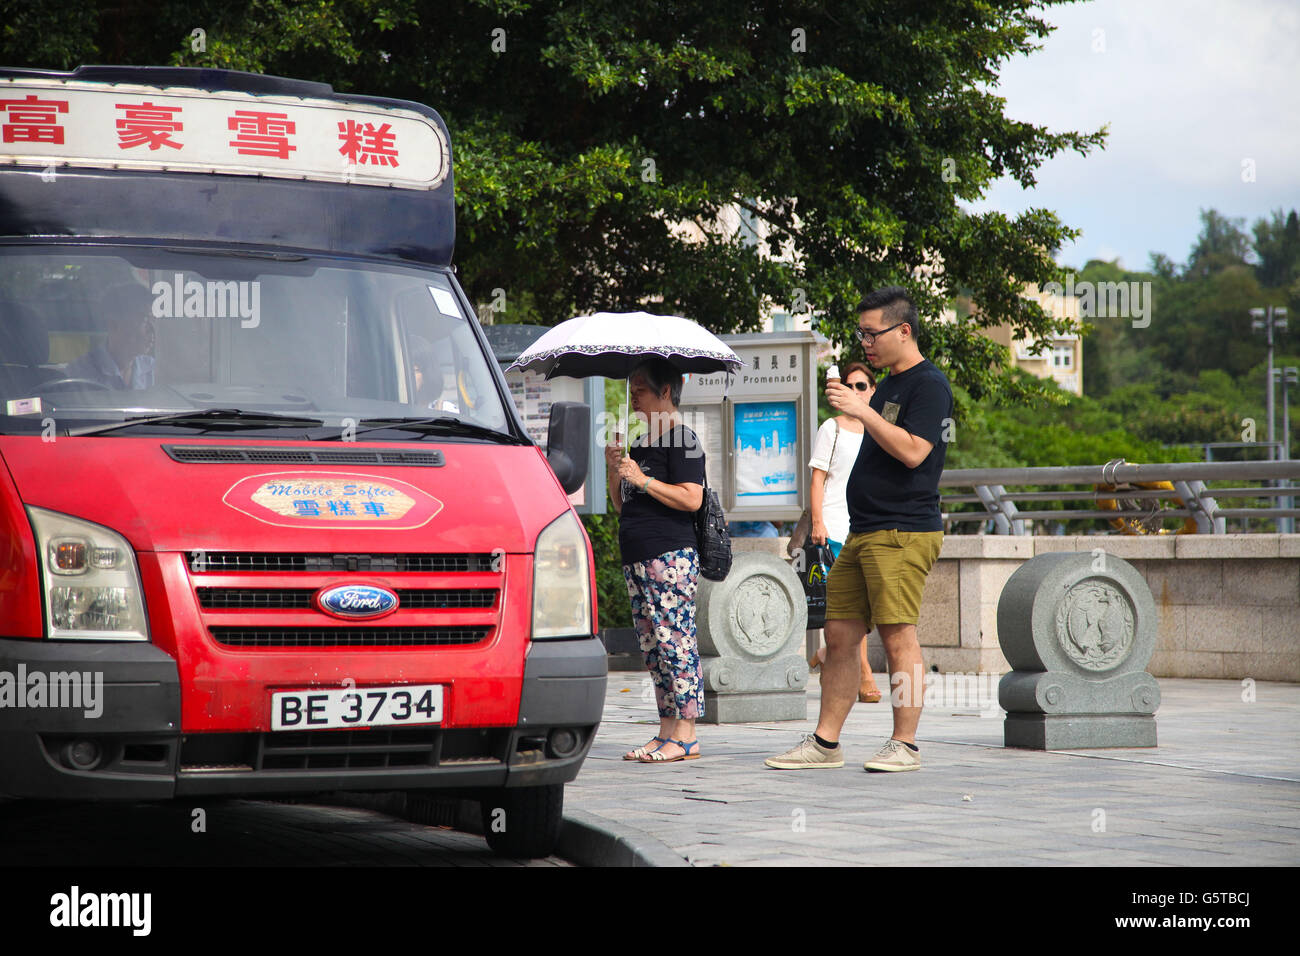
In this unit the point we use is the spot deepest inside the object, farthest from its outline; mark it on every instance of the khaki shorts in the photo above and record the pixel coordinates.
(879, 576)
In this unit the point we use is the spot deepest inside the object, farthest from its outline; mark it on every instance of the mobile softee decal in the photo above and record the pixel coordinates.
(334, 499)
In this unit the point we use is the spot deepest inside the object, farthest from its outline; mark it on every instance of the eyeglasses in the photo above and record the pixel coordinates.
(869, 338)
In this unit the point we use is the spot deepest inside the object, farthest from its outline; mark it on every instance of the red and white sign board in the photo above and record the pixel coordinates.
(131, 126)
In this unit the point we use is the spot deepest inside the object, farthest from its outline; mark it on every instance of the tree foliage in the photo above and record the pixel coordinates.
(1197, 372)
(1222, 243)
(1277, 244)
(590, 138)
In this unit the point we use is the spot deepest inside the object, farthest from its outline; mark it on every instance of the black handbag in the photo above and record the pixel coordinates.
(712, 538)
(814, 562)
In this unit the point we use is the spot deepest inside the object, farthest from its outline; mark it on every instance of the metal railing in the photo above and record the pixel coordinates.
(1115, 481)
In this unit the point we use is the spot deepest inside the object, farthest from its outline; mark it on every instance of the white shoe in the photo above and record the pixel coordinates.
(893, 757)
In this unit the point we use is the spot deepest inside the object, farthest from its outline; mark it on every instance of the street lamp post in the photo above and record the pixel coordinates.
(1267, 319)
(1287, 376)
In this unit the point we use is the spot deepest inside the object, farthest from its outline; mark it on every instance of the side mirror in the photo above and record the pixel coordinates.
(568, 440)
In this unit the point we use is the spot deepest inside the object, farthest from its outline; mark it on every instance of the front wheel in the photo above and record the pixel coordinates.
(523, 822)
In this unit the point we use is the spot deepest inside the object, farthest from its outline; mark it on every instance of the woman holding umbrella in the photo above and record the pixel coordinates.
(656, 490)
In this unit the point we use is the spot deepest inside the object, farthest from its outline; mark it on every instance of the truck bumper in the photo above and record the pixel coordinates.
(114, 733)
(83, 720)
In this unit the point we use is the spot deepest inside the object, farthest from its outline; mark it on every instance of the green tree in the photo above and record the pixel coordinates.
(1277, 244)
(589, 137)
(1204, 322)
(1114, 353)
(613, 606)
(1200, 314)
(1221, 244)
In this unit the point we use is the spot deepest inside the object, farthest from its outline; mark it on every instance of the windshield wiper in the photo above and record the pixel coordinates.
(220, 417)
(443, 424)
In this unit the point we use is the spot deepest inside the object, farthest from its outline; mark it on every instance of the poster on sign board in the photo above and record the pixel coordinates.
(706, 422)
(766, 445)
(533, 396)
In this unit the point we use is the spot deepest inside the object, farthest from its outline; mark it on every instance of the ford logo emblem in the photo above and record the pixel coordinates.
(356, 600)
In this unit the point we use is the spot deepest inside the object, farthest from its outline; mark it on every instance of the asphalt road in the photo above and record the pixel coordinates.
(214, 833)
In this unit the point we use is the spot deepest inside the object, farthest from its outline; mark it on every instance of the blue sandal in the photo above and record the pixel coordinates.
(641, 752)
(655, 756)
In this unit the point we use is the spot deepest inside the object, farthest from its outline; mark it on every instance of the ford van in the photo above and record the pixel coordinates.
(270, 523)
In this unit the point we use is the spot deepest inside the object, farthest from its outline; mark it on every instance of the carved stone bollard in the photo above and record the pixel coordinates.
(750, 629)
(1078, 629)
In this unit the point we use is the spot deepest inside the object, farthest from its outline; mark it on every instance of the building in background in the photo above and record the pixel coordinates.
(1062, 360)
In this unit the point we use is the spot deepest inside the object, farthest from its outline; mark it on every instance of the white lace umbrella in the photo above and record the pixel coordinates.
(613, 343)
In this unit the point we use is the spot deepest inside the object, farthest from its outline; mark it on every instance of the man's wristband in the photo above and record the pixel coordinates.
(646, 485)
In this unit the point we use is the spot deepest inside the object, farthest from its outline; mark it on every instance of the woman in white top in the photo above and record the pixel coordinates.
(834, 452)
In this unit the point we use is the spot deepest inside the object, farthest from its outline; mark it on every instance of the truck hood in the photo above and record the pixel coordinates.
(483, 497)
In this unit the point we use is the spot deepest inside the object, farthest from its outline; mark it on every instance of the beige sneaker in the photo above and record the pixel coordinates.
(893, 757)
(808, 755)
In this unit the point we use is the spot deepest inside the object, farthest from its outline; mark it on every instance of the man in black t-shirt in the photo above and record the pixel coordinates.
(895, 533)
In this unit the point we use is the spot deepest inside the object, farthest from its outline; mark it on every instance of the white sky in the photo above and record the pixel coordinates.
(1191, 89)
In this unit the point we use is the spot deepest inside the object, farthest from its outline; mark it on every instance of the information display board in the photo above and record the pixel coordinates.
(757, 432)
(533, 396)
(766, 453)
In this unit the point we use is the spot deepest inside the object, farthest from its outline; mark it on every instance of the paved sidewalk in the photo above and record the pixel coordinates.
(1222, 788)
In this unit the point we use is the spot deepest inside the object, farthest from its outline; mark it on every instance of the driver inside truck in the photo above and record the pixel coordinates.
(435, 384)
(125, 358)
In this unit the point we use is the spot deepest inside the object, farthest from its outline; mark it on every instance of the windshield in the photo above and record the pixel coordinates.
(93, 337)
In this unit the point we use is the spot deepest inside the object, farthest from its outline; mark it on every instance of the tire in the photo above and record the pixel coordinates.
(523, 823)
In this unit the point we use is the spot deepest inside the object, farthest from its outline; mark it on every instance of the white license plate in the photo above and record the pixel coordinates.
(356, 707)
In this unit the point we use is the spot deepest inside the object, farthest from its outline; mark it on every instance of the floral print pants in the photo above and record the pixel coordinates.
(662, 591)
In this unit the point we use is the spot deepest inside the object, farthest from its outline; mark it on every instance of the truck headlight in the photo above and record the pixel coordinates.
(89, 578)
(561, 581)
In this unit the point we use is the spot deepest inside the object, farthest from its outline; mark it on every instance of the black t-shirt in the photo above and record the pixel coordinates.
(883, 493)
(648, 527)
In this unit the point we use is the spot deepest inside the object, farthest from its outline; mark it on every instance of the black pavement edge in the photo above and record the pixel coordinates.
(586, 839)
(590, 840)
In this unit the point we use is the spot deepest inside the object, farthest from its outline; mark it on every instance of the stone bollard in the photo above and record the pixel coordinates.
(1078, 629)
(750, 629)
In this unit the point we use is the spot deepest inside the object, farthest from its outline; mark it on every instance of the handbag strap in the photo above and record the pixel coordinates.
(831, 462)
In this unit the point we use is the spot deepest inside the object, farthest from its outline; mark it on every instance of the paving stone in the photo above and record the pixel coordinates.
(1222, 787)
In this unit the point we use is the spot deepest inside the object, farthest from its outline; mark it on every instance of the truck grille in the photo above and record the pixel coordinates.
(230, 599)
(260, 600)
(317, 750)
(245, 562)
(348, 636)
(343, 749)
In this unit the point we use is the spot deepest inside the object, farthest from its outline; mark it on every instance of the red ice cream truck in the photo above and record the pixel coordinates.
(269, 521)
